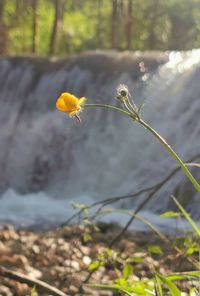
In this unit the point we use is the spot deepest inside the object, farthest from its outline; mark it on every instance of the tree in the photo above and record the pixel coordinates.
(57, 17)
(34, 24)
(98, 24)
(152, 25)
(3, 30)
(114, 22)
(128, 24)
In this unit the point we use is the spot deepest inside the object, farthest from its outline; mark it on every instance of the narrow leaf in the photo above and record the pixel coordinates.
(184, 275)
(158, 285)
(127, 270)
(32, 291)
(170, 285)
(94, 265)
(154, 249)
(170, 214)
(187, 217)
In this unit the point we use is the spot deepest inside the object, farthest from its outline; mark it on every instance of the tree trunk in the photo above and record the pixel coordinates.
(98, 25)
(34, 25)
(57, 14)
(114, 22)
(3, 30)
(128, 25)
(152, 33)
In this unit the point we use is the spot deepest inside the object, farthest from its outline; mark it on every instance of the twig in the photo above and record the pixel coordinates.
(106, 202)
(148, 198)
(40, 285)
(131, 195)
(153, 190)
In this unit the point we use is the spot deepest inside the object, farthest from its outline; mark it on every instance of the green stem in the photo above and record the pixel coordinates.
(172, 153)
(109, 107)
(158, 137)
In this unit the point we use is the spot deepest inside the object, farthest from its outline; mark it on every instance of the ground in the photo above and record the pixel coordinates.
(61, 257)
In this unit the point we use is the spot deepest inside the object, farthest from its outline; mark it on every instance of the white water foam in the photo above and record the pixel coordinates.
(42, 212)
(41, 150)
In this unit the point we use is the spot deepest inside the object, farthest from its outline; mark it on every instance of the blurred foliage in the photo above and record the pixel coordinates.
(69, 26)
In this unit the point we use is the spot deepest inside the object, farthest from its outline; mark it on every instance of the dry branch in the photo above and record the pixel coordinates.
(39, 285)
(152, 191)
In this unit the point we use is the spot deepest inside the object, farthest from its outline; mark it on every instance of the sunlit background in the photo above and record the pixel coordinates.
(64, 27)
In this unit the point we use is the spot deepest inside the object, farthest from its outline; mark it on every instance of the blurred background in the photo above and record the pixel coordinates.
(61, 27)
(89, 47)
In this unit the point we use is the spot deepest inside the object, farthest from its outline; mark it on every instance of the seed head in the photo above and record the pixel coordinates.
(122, 92)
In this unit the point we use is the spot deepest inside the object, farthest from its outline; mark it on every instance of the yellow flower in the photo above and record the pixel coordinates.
(69, 104)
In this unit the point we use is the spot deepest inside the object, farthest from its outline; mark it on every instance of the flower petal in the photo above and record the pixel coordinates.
(82, 101)
(60, 105)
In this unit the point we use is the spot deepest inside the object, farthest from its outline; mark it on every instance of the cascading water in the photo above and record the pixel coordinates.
(48, 159)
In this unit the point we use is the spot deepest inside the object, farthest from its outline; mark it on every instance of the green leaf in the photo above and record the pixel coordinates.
(110, 288)
(100, 257)
(158, 285)
(193, 291)
(183, 275)
(136, 259)
(78, 206)
(154, 249)
(94, 265)
(86, 237)
(32, 291)
(108, 252)
(170, 214)
(187, 217)
(139, 288)
(127, 270)
(191, 250)
(170, 285)
(86, 221)
(121, 282)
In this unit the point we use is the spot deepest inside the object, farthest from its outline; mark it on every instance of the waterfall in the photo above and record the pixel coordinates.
(47, 159)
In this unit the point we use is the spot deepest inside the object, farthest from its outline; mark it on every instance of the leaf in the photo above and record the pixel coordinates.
(187, 217)
(94, 265)
(158, 285)
(121, 282)
(139, 288)
(110, 288)
(86, 221)
(86, 237)
(100, 257)
(108, 252)
(170, 214)
(184, 275)
(191, 250)
(78, 206)
(170, 285)
(136, 259)
(32, 291)
(127, 270)
(154, 249)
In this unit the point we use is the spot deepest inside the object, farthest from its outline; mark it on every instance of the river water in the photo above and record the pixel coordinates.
(48, 159)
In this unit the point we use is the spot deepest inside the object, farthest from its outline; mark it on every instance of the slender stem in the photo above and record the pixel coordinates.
(158, 137)
(109, 107)
(172, 153)
(131, 109)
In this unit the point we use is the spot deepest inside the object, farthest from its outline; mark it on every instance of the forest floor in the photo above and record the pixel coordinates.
(61, 258)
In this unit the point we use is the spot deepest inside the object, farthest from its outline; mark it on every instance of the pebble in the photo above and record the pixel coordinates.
(87, 260)
(61, 259)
